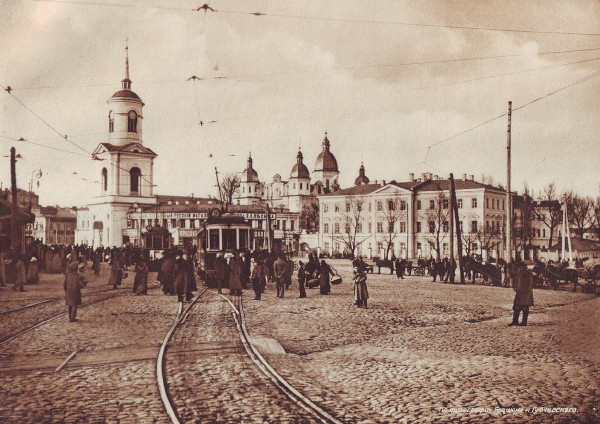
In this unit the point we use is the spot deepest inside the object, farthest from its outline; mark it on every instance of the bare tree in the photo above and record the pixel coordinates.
(522, 225)
(549, 211)
(352, 235)
(467, 240)
(394, 213)
(437, 220)
(596, 217)
(309, 218)
(579, 211)
(228, 186)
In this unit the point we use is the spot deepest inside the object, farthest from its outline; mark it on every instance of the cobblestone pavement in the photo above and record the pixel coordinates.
(423, 346)
(112, 377)
(212, 380)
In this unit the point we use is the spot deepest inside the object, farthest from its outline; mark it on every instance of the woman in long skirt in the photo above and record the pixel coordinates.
(361, 293)
(140, 283)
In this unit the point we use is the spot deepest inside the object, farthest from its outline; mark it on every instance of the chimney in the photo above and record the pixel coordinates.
(169, 202)
(177, 202)
(424, 176)
(435, 178)
(382, 183)
(464, 177)
(472, 177)
(411, 177)
(197, 202)
(187, 202)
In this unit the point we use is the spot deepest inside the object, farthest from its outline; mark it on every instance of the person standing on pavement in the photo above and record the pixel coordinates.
(259, 276)
(325, 274)
(245, 260)
(167, 273)
(361, 294)
(180, 277)
(73, 284)
(289, 270)
(523, 288)
(279, 268)
(116, 270)
(20, 274)
(220, 271)
(450, 271)
(235, 275)
(301, 279)
(399, 269)
(140, 283)
(33, 276)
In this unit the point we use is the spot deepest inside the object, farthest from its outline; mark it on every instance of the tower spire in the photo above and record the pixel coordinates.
(126, 82)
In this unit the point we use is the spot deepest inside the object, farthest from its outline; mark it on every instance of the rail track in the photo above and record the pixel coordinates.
(307, 411)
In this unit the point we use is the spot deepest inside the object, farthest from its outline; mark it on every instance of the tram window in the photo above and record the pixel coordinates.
(243, 239)
(214, 239)
(229, 239)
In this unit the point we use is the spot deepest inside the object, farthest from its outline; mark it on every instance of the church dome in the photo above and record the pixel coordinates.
(326, 161)
(249, 175)
(362, 178)
(127, 94)
(299, 170)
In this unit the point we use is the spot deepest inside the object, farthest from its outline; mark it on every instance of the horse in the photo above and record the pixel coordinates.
(474, 267)
(384, 263)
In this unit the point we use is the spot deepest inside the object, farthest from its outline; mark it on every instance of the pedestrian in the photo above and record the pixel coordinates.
(289, 270)
(167, 273)
(523, 288)
(181, 280)
(2, 270)
(301, 279)
(33, 276)
(96, 259)
(73, 284)
(325, 274)
(20, 274)
(116, 270)
(245, 260)
(235, 275)
(279, 268)
(399, 269)
(361, 294)
(220, 271)
(258, 278)
(140, 283)
(450, 271)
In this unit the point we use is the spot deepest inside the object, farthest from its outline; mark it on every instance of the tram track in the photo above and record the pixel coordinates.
(228, 363)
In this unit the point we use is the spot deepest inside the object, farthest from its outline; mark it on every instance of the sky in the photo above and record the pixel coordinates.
(387, 80)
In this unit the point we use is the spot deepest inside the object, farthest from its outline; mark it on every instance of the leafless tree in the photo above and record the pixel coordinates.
(522, 225)
(549, 211)
(228, 186)
(309, 218)
(596, 217)
(437, 220)
(579, 211)
(351, 234)
(395, 212)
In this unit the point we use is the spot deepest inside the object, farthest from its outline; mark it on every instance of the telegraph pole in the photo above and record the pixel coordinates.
(509, 217)
(14, 228)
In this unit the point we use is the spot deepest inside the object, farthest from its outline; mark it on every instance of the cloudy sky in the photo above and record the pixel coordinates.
(385, 79)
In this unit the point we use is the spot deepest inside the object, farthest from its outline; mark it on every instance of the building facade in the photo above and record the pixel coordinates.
(411, 219)
(55, 225)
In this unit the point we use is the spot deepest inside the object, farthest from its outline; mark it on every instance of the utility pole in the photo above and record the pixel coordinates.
(509, 217)
(219, 188)
(458, 230)
(14, 228)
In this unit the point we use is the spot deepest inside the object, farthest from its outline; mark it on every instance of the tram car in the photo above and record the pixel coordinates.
(221, 233)
(156, 241)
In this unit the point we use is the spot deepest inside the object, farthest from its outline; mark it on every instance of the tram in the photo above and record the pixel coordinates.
(221, 233)
(156, 241)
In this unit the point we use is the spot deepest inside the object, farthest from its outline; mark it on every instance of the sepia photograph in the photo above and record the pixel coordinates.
(300, 211)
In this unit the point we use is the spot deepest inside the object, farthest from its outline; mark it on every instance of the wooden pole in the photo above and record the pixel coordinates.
(14, 227)
(451, 221)
(457, 220)
(509, 217)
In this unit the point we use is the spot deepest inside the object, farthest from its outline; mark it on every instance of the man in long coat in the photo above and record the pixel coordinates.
(116, 270)
(167, 273)
(221, 272)
(279, 267)
(182, 283)
(259, 276)
(20, 274)
(33, 276)
(73, 283)
(523, 287)
(235, 275)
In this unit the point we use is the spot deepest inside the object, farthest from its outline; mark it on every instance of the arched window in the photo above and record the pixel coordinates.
(104, 179)
(134, 183)
(132, 121)
(111, 122)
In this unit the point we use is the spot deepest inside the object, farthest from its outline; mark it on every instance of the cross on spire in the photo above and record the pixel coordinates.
(126, 82)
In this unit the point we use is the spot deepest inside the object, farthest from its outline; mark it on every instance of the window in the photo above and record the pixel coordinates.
(390, 227)
(460, 226)
(370, 227)
(445, 203)
(336, 228)
(380, 227)
(359, 227)
(359, 207)
(347, 207)
(432, 227)
(459, 202)
(337, 207)
(111, 122)
(132, 121)
(402, 227)
(369, 207)
(473, 226)
(292, 225)
(284, 225)
(391, 205)
(503, 205)
(325, 207)
(474, 202)
(173, 223)
(229, 239)
(418, 227)
(300, 186)
(418, 204)
(543, 232)
(347, 228)
(379, 205)
(445, 227)
(213, 238)
(487, 203)
(134, 180)
(432, 204)
(326, 228)
(402, 205)
(104, 179)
